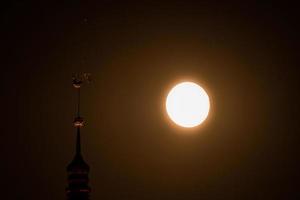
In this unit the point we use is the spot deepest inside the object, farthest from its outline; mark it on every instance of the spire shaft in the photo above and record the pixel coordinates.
(78, 144)
(78, 103)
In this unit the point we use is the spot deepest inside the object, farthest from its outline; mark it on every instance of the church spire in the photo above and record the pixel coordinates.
(78, 188)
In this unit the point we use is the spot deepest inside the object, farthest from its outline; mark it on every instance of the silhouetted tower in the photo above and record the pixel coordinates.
(78, 188)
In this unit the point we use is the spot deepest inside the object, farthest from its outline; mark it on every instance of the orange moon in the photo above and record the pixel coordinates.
(187, 104)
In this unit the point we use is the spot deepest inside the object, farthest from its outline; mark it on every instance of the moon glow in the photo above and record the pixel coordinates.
(187, 104)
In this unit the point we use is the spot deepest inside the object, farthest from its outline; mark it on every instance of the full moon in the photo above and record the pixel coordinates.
(187, 104)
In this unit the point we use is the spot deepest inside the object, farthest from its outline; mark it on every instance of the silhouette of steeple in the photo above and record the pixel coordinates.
(78, 169)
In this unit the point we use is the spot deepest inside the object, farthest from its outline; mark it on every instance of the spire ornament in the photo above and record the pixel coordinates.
(78, 187)
(78, 80)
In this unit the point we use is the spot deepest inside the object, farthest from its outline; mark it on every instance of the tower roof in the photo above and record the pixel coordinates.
(78, 163)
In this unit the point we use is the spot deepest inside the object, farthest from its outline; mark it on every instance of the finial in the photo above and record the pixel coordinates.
(78, 80)
(78, 122)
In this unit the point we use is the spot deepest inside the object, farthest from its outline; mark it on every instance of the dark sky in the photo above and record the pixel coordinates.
(245, 55)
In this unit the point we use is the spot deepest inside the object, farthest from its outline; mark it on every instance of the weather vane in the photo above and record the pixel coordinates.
(78, 81)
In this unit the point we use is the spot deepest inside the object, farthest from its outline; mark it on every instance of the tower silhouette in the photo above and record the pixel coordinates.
(78, 169)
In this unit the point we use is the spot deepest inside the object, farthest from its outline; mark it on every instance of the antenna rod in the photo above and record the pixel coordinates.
(78, 102)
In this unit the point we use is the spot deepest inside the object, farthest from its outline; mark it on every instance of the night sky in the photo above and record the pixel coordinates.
(245, 55)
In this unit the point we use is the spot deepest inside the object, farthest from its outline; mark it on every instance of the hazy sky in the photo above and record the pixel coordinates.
(245, 55)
